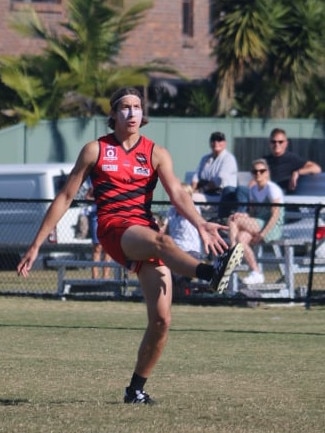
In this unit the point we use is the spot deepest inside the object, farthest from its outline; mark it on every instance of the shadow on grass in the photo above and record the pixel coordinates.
(13, 401)
(127, 328)
(24, 401)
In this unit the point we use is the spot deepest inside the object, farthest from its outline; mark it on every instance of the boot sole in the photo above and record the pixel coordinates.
(234, 260)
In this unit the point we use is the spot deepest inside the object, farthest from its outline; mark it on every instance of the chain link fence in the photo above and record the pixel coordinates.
(293, 266)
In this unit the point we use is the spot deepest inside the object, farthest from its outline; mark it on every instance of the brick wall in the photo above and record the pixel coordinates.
(159, 36)
(12, 42)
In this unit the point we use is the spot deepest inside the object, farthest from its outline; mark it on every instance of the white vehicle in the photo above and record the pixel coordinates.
(26, 191)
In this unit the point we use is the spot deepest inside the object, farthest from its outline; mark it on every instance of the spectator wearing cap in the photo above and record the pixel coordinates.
(215, 179)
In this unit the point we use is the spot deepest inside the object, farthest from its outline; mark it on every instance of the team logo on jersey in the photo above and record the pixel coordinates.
(143, 171)
(110, 153)
(141, 158)
(109, 167)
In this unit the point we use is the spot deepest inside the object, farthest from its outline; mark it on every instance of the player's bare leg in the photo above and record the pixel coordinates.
(142, 243)
(156, 286)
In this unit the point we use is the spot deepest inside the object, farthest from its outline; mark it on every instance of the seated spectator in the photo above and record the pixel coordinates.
(216, 170)
(215, 179)
(263, 223)
(185, 236)
(286, 166)
(182, 231)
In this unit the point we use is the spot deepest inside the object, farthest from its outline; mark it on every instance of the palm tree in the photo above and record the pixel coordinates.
(267, 52)
(314, 103)
(242, 42)
(33, 100)
(298, 50)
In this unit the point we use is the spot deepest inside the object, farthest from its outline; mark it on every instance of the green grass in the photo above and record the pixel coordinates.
(64, 366)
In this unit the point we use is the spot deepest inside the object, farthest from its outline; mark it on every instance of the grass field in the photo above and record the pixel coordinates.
(64, 366)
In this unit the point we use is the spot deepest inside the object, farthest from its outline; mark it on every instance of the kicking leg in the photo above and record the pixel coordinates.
(141, 243)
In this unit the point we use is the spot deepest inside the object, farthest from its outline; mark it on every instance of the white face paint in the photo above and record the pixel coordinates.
(128, 112)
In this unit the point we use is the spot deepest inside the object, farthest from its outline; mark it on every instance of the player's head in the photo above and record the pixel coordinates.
(116, 100)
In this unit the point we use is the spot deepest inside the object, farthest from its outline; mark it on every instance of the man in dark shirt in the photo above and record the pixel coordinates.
(286, 166)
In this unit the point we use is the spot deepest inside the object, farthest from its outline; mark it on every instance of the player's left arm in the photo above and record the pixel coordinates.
(184, 204)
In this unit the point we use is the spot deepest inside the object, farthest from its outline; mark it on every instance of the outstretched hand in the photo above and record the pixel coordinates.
(211, 238)
(26, 263)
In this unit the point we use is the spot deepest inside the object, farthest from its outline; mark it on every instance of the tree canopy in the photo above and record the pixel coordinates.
(270, 62)
(77, 71)
(268, 54)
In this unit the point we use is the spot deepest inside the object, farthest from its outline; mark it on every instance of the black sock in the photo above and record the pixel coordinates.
(137, 382)
(204, 271)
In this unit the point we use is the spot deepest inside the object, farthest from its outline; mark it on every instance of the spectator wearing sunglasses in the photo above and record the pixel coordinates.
(287, 166)
(261, 223)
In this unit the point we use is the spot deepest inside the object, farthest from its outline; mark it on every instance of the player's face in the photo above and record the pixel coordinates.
(278, 144)
(129, 113)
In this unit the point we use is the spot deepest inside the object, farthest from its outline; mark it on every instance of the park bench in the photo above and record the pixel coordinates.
(289, 265)
(67, 285)
(283, 256)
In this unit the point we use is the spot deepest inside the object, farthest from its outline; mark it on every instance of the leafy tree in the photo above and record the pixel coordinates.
(267, 53)
(314, 103)
(242, 42)
(297, 54)
(78, 70)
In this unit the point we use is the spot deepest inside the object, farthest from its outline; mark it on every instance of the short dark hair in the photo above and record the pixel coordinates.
(217, 136)
(115, 99)
(276, 131)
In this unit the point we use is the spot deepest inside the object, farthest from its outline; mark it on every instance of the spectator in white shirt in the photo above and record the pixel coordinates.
(215, 179)
(182, 231)
(262, 223)
(186, 237)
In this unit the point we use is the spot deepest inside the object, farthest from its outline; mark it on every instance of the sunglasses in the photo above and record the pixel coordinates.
(277, 141)
(261, 171)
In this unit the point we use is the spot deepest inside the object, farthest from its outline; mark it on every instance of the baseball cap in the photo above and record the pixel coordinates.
(217, 136)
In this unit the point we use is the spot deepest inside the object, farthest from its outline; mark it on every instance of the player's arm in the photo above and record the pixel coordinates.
(178, 196)
(184, 204)
(60, 204)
